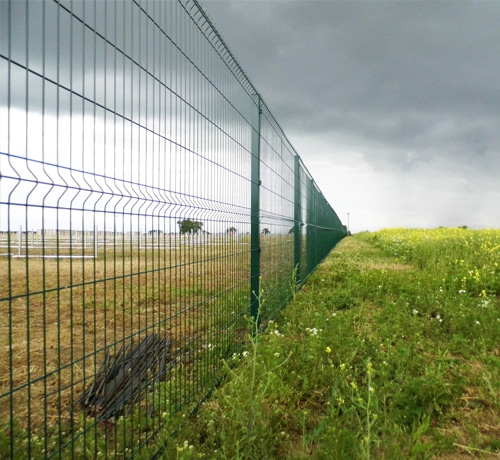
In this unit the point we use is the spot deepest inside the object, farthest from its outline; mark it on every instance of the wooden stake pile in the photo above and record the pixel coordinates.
(123, 379)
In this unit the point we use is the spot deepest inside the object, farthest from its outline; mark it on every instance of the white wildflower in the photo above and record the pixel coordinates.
(312, 331)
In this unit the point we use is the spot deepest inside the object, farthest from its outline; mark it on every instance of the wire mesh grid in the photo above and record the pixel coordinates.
(147, 195)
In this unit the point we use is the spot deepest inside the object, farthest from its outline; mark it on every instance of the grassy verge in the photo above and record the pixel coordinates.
(391, 350)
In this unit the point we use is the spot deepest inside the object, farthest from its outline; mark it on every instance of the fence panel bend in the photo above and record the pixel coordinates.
(147, 197)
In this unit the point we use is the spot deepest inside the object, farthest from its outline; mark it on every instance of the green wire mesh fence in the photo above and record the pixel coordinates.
(147, 198)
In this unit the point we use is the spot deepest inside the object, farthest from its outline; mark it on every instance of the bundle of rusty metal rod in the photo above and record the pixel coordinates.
(124, 379)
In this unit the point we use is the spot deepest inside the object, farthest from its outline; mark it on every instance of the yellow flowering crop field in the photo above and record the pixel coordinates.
(391, 350)
(468, 259)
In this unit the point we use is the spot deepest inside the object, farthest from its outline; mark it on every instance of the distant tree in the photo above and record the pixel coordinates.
(189, 226)
(266, 231)
(231, 231)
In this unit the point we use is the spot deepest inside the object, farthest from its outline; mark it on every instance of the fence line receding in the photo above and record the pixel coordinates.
(147, 196)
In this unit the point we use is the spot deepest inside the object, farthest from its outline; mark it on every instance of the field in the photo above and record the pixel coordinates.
(64, 312)
(390, 351)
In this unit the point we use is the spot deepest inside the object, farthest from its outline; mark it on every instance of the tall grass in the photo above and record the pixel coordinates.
(391, 350)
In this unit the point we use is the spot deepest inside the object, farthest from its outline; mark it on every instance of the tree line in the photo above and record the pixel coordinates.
(192, 227)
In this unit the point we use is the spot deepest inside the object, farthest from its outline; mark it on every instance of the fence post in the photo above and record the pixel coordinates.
(255, 215)
(297, 234)
(96, 241)
(311, 226)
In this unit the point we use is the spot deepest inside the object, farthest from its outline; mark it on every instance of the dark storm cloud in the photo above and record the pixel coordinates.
(418, 75)
(393, 105)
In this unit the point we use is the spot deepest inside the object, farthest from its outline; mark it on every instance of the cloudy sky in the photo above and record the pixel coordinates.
(394, 106)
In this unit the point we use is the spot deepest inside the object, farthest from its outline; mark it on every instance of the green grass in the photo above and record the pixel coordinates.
(391, 351)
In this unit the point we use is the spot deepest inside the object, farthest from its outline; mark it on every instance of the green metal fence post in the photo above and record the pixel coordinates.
(255, 216)
(297, 223)
(311, 222)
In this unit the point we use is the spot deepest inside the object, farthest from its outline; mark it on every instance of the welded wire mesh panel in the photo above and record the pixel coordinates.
(277, 198)
(298, 226)
(147, 196)
(321, 229)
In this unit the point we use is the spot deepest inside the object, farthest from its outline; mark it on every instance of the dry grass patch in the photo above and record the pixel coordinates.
(61, 316)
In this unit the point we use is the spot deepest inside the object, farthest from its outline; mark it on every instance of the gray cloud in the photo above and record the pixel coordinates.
(410, 86)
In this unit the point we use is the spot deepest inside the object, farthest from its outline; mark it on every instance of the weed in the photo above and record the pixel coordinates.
(380, 355)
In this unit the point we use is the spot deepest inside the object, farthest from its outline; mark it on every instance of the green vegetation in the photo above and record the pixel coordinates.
(391, 350)
(189, 226)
